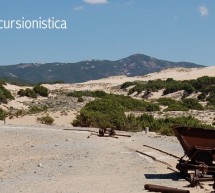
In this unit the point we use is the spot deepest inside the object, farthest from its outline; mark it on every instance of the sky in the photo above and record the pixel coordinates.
(174, 30)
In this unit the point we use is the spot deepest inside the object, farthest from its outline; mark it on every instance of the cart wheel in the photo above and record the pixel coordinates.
(101, 132)
(193, 181)
(183, 170)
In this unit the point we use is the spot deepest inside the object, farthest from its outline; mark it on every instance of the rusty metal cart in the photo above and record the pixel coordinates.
(198, 163)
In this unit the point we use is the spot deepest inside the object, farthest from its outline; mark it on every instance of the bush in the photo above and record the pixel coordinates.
(193, 104)
(3, 98)
(80, 99)
(30, 93)
(97, 93)
(41, 90)
(5, 94)
(102, 113)
(152, 107)
(45, 120)
(172, 104)
(21, 92)
(177, 107)
(163, 126)
(132, 124)
(128, 102)
(36, 109)
(127, 84)
(2, 114)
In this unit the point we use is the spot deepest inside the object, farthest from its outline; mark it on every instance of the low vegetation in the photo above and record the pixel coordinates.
(184, 105)
(41, 90)
(2, 114)
(87, 93)
(33, 93)
(102, 113)
(205, 85)
(109, 112)
(129, 103)
(5, 94)
(37, 109)
(46, 120)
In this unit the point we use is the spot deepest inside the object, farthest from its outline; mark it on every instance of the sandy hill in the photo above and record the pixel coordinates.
(175, 73)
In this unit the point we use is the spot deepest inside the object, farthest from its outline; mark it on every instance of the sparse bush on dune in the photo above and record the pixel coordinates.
(80, 99)
(27, 92)
(172, 104)
(97, 93)
(132, 104)
(5, 95)
(127, 84)
(37, 109)
(205, 85)
(41, 90)
(32, 93)
(45, 120)
(21, 92)
(193, 104)
(3, 98)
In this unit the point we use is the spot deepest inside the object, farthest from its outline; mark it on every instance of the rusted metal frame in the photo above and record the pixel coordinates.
(194, 166)
(164, 189)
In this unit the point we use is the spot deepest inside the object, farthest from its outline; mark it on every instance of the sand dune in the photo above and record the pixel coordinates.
(175, 73)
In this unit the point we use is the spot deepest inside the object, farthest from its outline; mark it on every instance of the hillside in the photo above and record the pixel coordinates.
(135, 65)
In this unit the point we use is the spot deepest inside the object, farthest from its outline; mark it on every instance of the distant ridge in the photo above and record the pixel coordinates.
(134, 65)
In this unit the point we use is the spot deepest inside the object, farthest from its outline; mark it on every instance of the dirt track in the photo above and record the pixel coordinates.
(37, 159)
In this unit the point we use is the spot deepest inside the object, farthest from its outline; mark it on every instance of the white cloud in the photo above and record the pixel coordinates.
(96, 1)
(203, 10)
(79, 8)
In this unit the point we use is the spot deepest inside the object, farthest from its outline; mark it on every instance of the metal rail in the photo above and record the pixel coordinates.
(172, 155)
(154, 158)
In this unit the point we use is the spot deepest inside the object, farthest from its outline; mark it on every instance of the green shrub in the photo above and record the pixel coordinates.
(177, 107)
(21, 92)
(132, 124)
(5, 94)
(193, 104)
(41, 90)
(202, 96)
(27, 92)
(97, 93)
(127, 84)
(102, 113)
(172, 104)
(80, 99)
(30, 93)
(163, 126)
(152, 107)
(2, 114)
(45, 120)
(37, 109)
(3, 98)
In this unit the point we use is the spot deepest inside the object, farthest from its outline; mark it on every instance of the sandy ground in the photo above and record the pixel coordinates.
(37, 159)
(59, 119)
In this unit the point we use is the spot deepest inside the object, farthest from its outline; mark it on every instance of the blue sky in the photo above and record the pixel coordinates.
(175, 30)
